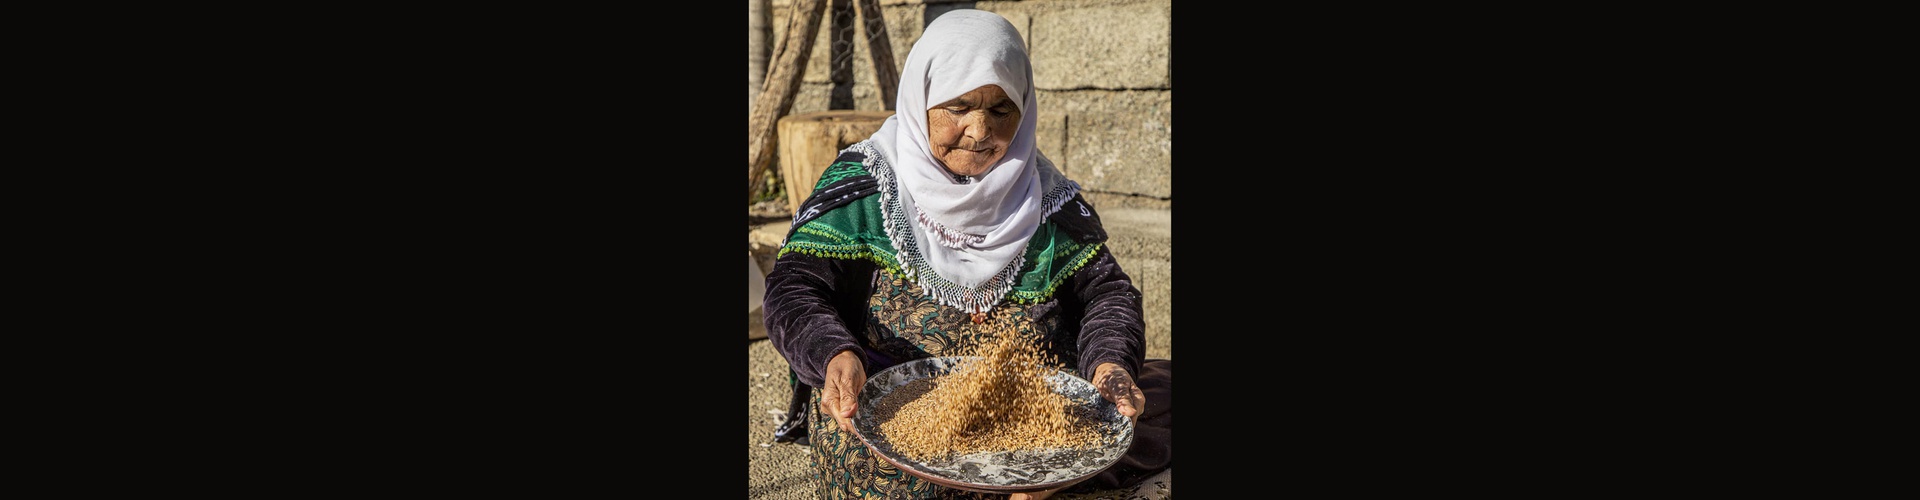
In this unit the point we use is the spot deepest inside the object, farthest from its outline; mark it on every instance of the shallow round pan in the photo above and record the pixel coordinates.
(996, 472)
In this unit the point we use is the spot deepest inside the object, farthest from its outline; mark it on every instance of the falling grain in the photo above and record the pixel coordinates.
(997, 402)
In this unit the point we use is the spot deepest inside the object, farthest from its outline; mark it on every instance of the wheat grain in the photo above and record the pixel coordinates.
(999, 401)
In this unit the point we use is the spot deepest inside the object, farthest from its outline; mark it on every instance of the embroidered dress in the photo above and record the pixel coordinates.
(850, 256)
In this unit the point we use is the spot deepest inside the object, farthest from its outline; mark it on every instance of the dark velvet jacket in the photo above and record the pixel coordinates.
(812, 300)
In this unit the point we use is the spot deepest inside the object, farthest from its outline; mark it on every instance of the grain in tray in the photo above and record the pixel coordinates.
(999, 402)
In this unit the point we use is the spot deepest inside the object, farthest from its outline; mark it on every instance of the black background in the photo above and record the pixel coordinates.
(485, 252)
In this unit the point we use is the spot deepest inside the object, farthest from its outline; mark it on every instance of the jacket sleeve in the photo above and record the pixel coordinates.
(1113, 328)
(802, 310)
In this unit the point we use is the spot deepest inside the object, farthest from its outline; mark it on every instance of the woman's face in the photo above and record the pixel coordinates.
(971, 132)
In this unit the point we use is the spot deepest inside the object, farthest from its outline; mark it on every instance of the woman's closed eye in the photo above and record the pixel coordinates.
(1001, 112)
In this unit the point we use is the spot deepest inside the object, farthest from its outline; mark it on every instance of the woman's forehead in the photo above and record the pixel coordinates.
(955, 73)
(984, 95)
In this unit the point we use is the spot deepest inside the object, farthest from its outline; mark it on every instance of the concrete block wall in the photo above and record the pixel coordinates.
(1104, 70)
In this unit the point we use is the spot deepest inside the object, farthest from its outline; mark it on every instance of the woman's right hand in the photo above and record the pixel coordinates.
(841, 394)
(1116, 384)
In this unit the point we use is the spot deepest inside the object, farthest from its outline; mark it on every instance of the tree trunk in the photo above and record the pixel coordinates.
(790, 64)
(759, 28)
(809, 143)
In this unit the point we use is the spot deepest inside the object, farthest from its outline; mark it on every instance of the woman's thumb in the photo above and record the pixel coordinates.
(847, 405)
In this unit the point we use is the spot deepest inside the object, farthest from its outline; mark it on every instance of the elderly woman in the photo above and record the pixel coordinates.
(947, 219)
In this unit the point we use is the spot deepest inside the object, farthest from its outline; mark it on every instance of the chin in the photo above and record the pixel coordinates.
(972, 168)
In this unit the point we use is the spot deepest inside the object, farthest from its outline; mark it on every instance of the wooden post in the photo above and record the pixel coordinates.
(840, 33)
(759, 26)
(790, 64)
(880, 49)
(809, 142)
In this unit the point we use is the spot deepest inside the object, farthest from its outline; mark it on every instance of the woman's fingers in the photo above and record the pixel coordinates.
(845, 376)
(1116, 384)
(847, 403)
(838, 403)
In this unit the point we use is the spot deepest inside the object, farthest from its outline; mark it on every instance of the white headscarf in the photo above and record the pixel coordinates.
(969, 232)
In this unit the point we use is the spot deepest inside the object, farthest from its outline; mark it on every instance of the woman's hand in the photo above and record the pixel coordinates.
(841, 396)
(1115, 384)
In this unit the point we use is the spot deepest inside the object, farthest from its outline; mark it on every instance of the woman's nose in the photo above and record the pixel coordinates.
(977, 125)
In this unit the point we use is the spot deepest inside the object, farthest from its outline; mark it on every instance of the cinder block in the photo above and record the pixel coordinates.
(1112, 141)
(1127, 46)
(1051, 130)
(1142, 241)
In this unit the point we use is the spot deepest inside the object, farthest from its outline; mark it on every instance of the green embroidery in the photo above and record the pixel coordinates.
(838, 171)
(858, 231)
(1036, 276)
(849, 232)
(855, 232)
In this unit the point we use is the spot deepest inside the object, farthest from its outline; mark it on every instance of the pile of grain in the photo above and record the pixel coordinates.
(997, 403)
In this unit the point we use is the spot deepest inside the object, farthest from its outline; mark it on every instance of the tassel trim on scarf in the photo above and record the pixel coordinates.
(947, 237)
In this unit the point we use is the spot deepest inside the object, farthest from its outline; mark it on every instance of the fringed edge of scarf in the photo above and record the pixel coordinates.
(914, 266)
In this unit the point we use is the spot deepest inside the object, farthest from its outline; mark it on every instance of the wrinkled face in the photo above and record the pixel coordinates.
(971, 132)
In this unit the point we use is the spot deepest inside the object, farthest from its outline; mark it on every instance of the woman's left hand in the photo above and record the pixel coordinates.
(1115, 384)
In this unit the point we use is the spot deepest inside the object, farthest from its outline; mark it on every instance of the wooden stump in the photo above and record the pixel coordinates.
(809, 142)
